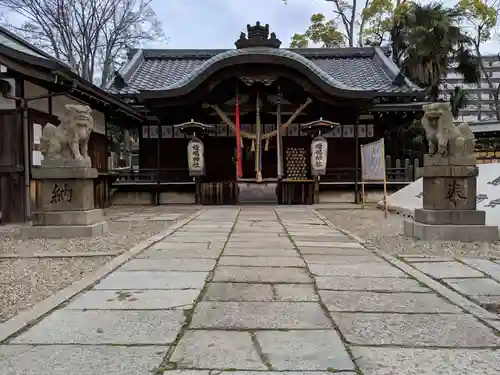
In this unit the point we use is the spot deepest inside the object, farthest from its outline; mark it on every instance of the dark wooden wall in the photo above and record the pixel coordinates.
(98, 152)
(220, 158)
(11, 167)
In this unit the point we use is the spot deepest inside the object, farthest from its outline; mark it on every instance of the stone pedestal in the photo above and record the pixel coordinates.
(449, 203)
(66, 202)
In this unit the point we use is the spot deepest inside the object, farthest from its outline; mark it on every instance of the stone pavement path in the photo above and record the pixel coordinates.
(256, 291)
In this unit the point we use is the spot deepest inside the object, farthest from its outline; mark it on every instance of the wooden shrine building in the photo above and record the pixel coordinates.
(35, 88)
(353, 92)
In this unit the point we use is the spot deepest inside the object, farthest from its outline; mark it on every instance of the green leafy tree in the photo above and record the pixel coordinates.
(350, 26)
(322, 31)
(481, 18)
(428, 41)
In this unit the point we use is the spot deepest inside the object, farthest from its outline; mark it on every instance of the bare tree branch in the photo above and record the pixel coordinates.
(91, 36)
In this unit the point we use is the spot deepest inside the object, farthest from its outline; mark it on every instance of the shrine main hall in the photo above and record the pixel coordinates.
(279, 99)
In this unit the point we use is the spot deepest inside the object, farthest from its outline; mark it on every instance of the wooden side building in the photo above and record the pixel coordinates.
(35, 88)
(359, 90)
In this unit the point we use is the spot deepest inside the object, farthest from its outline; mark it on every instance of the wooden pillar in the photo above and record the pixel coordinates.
(356, 175)
(158, 167)
(316, 190)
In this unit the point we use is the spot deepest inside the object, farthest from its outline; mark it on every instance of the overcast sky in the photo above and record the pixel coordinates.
(218, 23)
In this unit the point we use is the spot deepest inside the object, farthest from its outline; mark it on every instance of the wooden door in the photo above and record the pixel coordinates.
(11, 167)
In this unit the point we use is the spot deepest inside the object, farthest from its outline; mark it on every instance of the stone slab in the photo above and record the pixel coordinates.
(325, 232)
(74, 360)
(180, 253)
(105, 327)
(261, 275)
(484, 265)
(351, 301)
(217, 350)
(413, 361)
(261, 261)
(294, 292)
(182, 238)
(463, 233)
(356, 270)
(456, 217)
(322, 238)
(165, 245)
(166, 217)
(491, 303)
(132, 218)
(479, 287)
(87, 217)
(259, 292)
(170, 264)
(344, 245)
(259, 252)
(343, 259)
(153, 280)
(257, 243)
(135, 300)
(304, 350)
(373, 284)
(65, 194)
(334, 251)
(238, 292)
(292, 373)
(65, 231)
(259, 315)
(66, 168)
(442, 270)
(429, 330)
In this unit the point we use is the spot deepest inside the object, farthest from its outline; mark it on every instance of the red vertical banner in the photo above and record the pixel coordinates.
(239, 168)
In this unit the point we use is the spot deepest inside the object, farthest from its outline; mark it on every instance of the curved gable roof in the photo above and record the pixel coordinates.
(357, 72)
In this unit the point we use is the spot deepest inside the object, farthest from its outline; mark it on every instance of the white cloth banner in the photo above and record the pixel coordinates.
(372, 161)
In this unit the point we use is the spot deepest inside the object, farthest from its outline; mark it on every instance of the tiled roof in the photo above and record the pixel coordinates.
(355, 69)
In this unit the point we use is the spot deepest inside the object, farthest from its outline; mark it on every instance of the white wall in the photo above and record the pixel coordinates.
(58, 109)
(31, 90)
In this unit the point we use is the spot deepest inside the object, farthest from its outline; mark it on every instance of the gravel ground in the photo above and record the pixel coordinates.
(24, 282)
(121, 236)
(386, 235)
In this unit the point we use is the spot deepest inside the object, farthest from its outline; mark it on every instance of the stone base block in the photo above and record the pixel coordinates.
(65, 231)
(450, 217)
(68, 217)
(462, 233)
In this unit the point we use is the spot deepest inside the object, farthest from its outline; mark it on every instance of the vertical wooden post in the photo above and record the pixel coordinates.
(385, 181)
(158, 167)
(363, 197)
(279, 140)
(316, 189)
(356, 177)
(197, 196)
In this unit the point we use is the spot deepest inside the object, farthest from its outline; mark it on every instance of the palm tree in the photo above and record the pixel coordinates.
(427, 41)
(458, 100)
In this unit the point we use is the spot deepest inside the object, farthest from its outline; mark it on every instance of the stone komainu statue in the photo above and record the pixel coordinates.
(69, 140)
(444, 137)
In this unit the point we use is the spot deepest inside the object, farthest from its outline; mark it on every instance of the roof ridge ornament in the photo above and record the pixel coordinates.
(257, 36)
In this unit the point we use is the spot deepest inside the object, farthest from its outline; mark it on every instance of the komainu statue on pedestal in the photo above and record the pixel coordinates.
(444, 137)
(69, 140)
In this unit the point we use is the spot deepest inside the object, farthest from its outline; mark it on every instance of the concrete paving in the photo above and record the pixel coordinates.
(266, 291)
